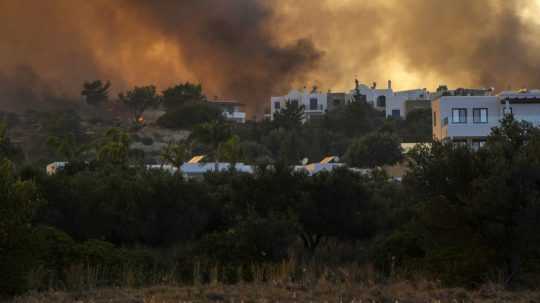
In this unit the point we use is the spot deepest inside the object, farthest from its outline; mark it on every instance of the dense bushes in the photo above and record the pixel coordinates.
(126, 206)
(460, 216)
(190, 114)
(18, 202)
(373, 150)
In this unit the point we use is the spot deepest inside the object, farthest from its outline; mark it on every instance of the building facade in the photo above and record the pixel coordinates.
(470, 119)
(394, 104)
(232, 110)
(317, 103)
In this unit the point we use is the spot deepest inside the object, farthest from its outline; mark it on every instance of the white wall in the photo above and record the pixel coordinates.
(444, 105)
(526, 112)
(397, 101)
(303, 98)
(394, 100)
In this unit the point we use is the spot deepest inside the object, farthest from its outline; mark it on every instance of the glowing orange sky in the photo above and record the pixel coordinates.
(415, 43)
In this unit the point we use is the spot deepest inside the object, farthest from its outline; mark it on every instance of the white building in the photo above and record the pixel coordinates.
(232, 110)
(196, 168)
(393, 103)
(327, 164)
(316, 103)
(469, 119)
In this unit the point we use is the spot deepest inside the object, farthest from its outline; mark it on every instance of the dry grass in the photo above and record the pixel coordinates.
(321, 291)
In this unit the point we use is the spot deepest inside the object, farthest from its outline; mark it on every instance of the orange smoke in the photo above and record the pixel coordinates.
(251, 49)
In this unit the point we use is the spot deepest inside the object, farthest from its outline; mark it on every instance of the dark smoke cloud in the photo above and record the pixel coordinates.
(228, 45)
(22, 89)
(250, 49)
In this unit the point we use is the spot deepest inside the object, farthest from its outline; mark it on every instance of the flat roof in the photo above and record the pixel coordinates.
(226, 102)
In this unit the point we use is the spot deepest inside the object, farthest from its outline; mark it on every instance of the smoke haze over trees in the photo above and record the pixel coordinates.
(250, 49)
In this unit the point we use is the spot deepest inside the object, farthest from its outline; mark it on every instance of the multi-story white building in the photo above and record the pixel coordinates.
(316, 103)
(393, 103)
(469, 119)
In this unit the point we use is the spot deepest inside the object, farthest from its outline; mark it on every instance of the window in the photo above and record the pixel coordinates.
(293, 102)
(445, 121)
(459, 115)
(396, 113)
(480, 115)
(477, 144)
(313, 104)
(460, 143)
(277, 105)
(434, 119)
(337, 102)
(381, 101)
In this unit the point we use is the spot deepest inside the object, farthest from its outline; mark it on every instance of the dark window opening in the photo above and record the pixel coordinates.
(381, 101)
(294, 102)
(477, 144)
(313, 104)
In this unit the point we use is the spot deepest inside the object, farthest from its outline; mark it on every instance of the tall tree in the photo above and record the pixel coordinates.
(290, 117)
(231, 150)
(355, 119)
(114, 147)
(68, 148)
(373, 150)
(139, 99)
(480, 209)
(190, 115)
(175, 153)
(7, 149)
(178, 95)
(18, 202)
(96, 92)
(350, 216)
(212, 134)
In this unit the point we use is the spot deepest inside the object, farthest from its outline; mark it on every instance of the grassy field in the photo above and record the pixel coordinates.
(267, 293)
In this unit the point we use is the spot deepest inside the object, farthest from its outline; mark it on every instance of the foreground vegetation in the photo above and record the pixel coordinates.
(321, 291)
(460, 217)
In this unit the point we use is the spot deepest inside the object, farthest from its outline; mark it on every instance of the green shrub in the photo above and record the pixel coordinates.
(399, 251)
(56, 248)
(147, 141)
(18, 201)
(255, 240)
(189, 115)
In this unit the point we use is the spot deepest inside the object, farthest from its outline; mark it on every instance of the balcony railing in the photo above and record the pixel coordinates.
(318, 108)
(234, 115)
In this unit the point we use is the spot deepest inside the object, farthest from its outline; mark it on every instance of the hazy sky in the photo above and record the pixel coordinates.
(251, 49)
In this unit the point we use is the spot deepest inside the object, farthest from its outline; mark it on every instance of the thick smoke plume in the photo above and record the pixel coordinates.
(250, 49)
(422, 43)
